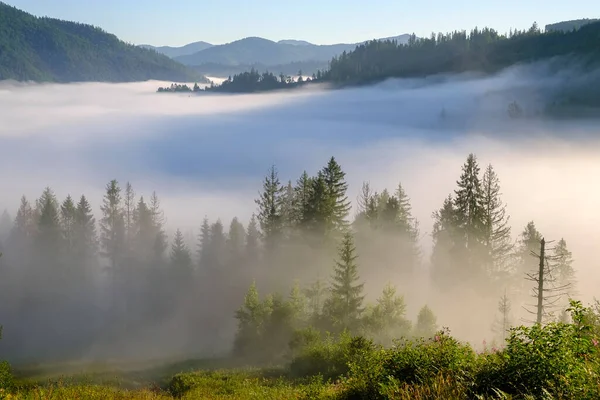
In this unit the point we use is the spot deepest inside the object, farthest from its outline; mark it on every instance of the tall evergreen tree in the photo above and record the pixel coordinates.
(236, 241)
(181, 259)
(426, 323)
(468, 203)
(253, 241)
(68, 214)
(49, 237)
(302, 195)
(270, 207)
(86, 240)
(526, 262)
(564, 273)
(345, 304)
(497, 233)
(112, 226)
(158, 221)
(336, 186)
(445, 247)
(204, 243)
(129, 206)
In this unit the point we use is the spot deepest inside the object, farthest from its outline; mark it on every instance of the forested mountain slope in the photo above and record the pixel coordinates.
(482, 50)
(47, 49)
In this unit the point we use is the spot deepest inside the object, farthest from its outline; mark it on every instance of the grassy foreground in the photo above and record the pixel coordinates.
(554, 361)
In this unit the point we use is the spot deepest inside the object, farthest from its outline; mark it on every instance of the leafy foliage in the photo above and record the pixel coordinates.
(47, 49)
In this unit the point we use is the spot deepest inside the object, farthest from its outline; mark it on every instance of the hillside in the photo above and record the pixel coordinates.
(47, 49)
(566, 26)
(173, 52)
(482, 50)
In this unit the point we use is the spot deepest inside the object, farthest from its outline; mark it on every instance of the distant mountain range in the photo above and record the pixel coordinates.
(221, 60)
(47, 49)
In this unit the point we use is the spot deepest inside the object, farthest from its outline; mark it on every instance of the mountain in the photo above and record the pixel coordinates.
(47, 49)
(566, 26)
(296, 42)
(179, 51)
(255, 50)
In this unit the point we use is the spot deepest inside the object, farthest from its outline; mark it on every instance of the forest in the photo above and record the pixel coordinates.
(47, 49)
(76, 286)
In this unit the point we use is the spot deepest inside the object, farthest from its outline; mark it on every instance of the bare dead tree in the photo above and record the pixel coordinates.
(546, 290)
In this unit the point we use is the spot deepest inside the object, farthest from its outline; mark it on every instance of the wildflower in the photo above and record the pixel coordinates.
(595, 342)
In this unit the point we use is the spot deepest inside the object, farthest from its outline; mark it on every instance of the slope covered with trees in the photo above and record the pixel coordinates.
(46, 49)
(484, 50)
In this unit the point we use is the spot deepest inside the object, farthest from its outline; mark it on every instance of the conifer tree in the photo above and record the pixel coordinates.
(338, 203)
(270, 205)
(112, 226)
(387, 319)
(528, 245)
(253, 241)
(502, 323)
(345, 304)
(145, 233)
(129, 207)
(318, 209)
(86, 240)
(497, 232)
(316, 295)
(562, 260)
(445, 248)
(217, 245)
(302, 195)
(236, 241)
(158, 221)
(469, 214)
(204, 243)
(48, 239)
(426, 323)
(68, 214)
(181, 259)
(288, 211)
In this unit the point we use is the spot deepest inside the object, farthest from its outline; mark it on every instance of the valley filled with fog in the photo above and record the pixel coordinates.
(207, 155)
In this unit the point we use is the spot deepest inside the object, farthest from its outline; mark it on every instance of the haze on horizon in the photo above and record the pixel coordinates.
(206, 155)
(317, 22)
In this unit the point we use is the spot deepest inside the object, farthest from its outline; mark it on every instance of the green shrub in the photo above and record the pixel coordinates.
(6, 377)
(330, 357)
(419, 362)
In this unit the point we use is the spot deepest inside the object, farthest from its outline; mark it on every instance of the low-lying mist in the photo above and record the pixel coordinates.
(207, 155)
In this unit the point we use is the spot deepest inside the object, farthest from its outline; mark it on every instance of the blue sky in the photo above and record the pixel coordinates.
(179, 22)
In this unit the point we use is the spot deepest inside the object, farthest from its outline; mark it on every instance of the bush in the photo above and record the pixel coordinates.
(6, 377)
(330, 358)
(377, 374)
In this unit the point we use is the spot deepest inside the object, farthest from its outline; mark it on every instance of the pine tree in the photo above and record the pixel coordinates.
(345, 304)
(302, 195)
(253, 241)
(129, 206)
(217, 245)
(48, 240)
(68, 214)
(387, 319)
(236, 241)
(181, 259)
(445, 248)
(158, 221)
(497, 232)
(25, 226)
(469, 213)
(316, 295)
(562, 260)
(529, 244)
(288, 211)
(86, 240)
(503, 322)
(270, 204)
(112, 226)
(336, 186)
(145, 233)
(426, 323)
(204, 243)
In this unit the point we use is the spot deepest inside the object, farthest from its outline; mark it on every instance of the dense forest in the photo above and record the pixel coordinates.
(46, 49)
(75, 285)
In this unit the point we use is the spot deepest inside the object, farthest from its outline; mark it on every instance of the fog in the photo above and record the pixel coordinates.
(206, 155)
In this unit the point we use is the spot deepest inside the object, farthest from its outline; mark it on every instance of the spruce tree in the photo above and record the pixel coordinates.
(336, 188)
(86, 240)
(68, 214)
(270, 207)
(145, 233)
(181, 259)
(49, 236)
(129, 206)
(158, 221)
(445, 248)
(345, 304)
(203, 243)
(236, 240)
(288, 211)
(302, 195)
(468, 203)
(387, 320)
(497, 232)
(253, 241)
(426, 323)
(526, 262)
(562, 266)
(217, 246)
(112, 226)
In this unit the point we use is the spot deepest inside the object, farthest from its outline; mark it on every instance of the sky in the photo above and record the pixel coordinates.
(323, 22)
